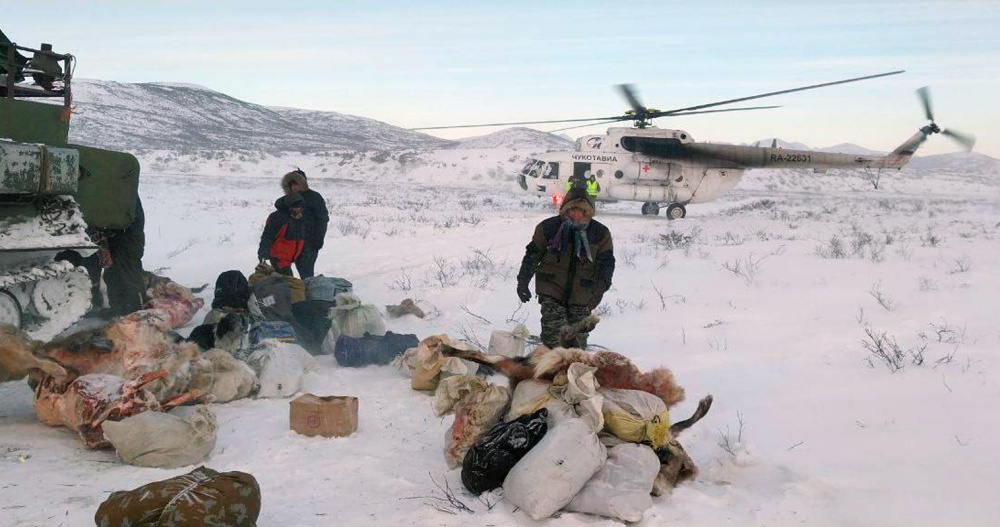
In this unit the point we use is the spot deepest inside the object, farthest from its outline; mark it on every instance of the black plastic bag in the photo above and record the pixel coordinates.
(231, 290)
(372, 349)
(314, 317)
(489, 461)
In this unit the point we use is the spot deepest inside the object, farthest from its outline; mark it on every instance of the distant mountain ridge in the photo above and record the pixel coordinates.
(518, 138)
(172, 116)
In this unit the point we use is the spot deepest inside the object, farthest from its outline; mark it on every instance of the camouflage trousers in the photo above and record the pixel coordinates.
(556, 315)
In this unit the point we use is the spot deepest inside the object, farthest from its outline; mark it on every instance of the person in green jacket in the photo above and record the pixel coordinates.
(571, 257)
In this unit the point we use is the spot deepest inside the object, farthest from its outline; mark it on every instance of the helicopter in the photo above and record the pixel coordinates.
(658, 166)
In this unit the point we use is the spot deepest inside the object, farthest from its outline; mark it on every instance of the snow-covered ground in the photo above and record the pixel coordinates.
(769, 299)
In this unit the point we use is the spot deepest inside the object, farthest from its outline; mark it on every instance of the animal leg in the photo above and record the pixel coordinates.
(181, 399)
(703, 406)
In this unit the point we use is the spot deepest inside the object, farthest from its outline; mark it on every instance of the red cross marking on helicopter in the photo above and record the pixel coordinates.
(645, 168)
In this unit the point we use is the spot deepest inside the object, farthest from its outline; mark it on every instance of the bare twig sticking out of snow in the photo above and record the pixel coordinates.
(449, 503)
(946, 359)
(403, 282)
(678, 299)
(482, 319)
(962, 265)
(187, 245)
(519, 315)
(746, 268)
(883, 299)
(725, 440)
(948, 334)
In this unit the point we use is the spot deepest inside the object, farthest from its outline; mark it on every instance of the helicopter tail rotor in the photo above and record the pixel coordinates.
(967, 141)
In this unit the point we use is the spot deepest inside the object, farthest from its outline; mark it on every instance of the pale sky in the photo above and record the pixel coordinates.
(443, 62)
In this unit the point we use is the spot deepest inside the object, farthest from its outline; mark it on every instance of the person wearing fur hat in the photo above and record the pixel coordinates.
(572, 259)
(316, 219)
(284, 234)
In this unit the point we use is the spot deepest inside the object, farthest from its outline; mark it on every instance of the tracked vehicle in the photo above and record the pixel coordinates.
(54, 196)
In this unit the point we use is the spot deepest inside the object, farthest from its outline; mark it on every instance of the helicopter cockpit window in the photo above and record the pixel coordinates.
(533, 168)
(551, 171)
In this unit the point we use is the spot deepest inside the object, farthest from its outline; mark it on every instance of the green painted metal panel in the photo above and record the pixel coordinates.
(108, 187)
(33, 122)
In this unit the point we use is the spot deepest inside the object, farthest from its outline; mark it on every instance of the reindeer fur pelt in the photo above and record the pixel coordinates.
(613, 369)
(19, 355)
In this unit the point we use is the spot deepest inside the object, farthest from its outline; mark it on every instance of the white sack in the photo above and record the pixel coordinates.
(621, 489)
(550, 474)
(354, 319)
(160, 440)
(280, 367)
(222, 376)
(508, 343)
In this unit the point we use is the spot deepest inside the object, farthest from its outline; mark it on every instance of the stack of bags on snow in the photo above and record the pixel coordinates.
(560, 441)
(322, 314)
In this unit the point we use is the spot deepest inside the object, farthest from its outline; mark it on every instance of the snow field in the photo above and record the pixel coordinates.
(748, 298)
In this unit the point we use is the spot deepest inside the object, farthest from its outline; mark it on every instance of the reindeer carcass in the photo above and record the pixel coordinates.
(86, 402)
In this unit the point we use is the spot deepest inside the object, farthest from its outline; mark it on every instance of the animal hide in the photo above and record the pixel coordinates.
(86, 402)
(128, 347)
(613, 369)
(19, 355)
(173, 301)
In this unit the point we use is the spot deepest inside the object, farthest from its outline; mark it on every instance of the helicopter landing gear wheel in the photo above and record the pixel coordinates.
(10, 309)
(650, 208)
(676, 211)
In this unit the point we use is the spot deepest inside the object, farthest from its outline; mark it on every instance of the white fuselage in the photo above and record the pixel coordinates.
(625, 174)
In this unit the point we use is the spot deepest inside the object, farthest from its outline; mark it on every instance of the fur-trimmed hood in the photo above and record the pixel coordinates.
(577, 198)
(294, 176)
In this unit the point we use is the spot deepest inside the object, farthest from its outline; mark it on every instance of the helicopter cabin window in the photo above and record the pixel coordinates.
(532, 168)
(658, 146)
(619, 174)
(600, 174)
(551, 171)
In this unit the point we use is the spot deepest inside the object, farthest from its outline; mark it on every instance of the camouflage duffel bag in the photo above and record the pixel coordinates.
(200, 497)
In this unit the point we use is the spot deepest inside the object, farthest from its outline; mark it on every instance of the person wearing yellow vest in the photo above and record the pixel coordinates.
(593, 187)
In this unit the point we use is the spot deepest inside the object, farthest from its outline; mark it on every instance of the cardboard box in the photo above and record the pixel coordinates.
(330, 416)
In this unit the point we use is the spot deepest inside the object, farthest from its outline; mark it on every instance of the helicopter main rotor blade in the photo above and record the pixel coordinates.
(723, 110)
(967, 141)
(614, 118)
(770, 94)
(582, 126)
(925, 99)
(629, 93)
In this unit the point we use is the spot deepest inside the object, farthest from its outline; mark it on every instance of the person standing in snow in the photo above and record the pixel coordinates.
(283, 239)
(125, 278)
(593, 187)
(572, 259)
(316, 219)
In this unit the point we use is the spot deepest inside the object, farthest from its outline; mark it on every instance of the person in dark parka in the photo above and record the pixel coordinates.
(572, 259)
(125, 277)
(317, 217)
